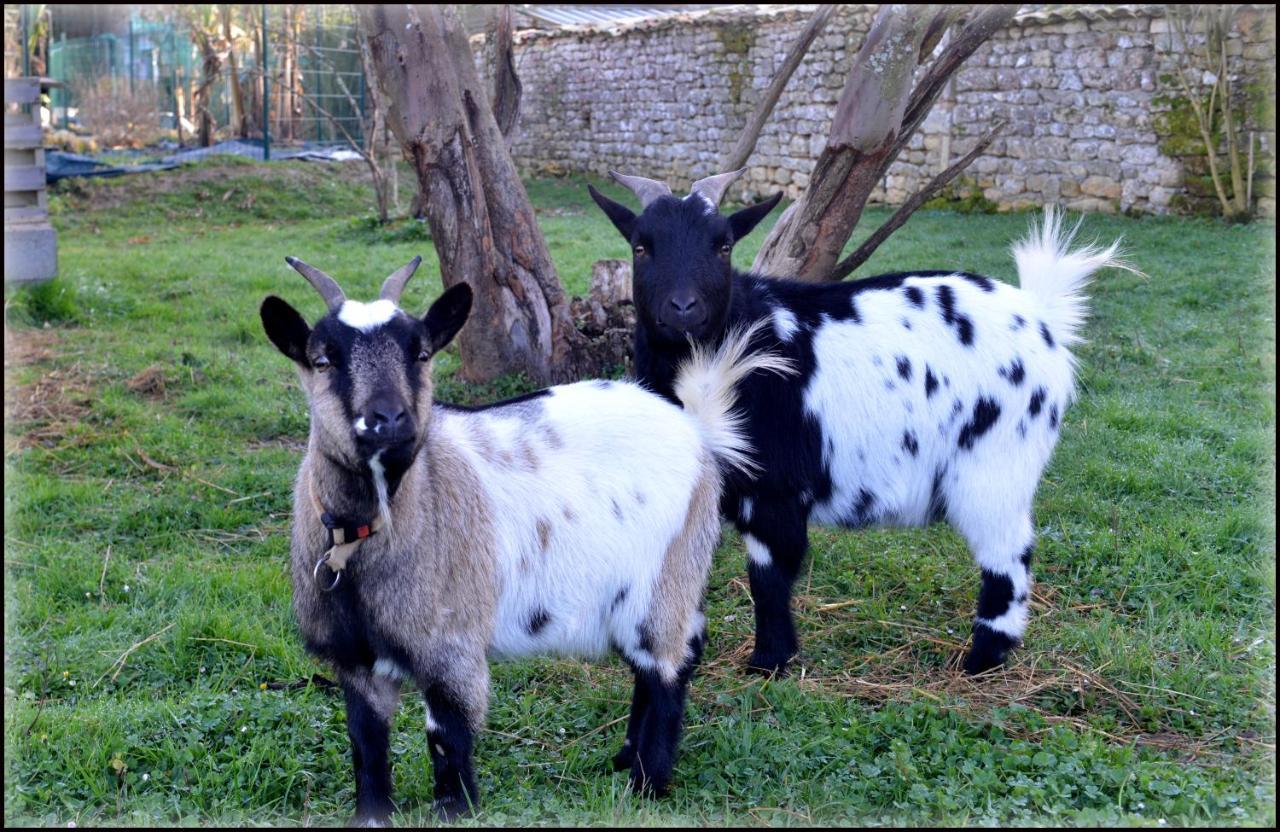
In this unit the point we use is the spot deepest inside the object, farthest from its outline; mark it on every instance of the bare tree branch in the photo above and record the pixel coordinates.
(751, 134)
(846, 266)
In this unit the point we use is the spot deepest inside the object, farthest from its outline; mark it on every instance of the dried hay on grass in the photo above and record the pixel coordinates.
(44, 411)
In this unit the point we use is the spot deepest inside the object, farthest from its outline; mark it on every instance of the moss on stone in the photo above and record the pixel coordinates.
(736, 39)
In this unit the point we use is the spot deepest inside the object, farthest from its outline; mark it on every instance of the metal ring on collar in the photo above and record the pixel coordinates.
(315, 574)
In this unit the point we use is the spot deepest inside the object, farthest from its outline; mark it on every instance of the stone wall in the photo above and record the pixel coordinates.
(1083, 91)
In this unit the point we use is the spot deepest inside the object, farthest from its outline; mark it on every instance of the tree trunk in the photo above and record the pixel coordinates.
(374, 124)
(210, 66)
(747, 141)
(878, 111)
(481, 220)
(237, 96)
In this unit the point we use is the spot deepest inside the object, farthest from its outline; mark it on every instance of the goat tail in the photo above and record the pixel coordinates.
(1056, 275)
(706, 385)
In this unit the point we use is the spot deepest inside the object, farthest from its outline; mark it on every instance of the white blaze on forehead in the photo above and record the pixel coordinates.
(366, 316)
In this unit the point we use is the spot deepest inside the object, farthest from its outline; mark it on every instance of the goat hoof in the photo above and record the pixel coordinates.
(449, 809)
(656, 788)
(623, 760)
(982, 661)
(989, 651)
(767, 665)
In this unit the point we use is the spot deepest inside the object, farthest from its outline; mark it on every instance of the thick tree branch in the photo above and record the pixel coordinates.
(986, 21)
(846, 266)
(507, 88)
(751, 134)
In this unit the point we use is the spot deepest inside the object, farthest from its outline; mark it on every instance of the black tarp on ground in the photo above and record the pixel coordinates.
(59, 165)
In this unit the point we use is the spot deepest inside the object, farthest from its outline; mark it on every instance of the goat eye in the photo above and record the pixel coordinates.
(639, 251)
(726, 249)
(321, 363)
(424, 355)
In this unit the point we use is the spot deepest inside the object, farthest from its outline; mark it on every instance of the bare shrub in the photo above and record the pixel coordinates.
(117, 116)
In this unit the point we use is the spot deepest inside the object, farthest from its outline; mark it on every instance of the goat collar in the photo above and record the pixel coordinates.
(344, 539)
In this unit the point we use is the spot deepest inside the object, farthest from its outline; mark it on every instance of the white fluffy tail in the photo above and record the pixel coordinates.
(706, 384)
(1057, 276)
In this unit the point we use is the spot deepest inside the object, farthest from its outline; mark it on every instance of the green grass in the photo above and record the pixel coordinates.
(160, 511)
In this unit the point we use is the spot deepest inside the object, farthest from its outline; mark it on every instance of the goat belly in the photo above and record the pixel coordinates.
(589, 488)
(937, 383)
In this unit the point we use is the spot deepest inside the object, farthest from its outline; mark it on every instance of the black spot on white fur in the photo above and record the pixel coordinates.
(962, 323)
(538, 619)
(1046, 334)
(1014, 373)
(1037, 401)
(985, 413)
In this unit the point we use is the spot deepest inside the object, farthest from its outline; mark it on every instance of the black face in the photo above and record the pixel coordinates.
(682, 277)
(366, 369)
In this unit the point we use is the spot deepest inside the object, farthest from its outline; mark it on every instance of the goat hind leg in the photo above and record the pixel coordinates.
(1004, 599)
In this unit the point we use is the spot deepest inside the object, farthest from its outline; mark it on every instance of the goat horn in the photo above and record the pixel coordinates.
(713, 187)
(325, 285)
(646, 190)
(394, 285)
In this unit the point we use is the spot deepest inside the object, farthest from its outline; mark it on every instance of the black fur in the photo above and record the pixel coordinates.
(538, 619)
(370, 737)
(1046, 335)
(451, 744)
(985, 413)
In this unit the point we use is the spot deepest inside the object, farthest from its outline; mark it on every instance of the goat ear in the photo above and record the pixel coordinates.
(447, 315)
(286, 328)
(620, 215)
(743, 221)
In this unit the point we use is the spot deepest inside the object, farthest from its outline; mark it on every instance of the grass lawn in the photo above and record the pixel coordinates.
(153, 672)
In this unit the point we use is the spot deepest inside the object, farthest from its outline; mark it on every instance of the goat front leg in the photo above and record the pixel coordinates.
(451, 726)
(371, 703)
(777, 539)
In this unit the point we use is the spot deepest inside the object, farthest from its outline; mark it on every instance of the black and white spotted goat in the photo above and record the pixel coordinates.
(920, 395)
(426, 536)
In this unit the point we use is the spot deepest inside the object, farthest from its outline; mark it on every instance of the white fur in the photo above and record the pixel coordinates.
(865, 408)
(784, 323)
(748, 509)
(618, 446)
(1056, 276)
(360, 425)
(706, 383)
(367, 316)
(615, 470)
(757, 551)
(390, 669)
(380, 483)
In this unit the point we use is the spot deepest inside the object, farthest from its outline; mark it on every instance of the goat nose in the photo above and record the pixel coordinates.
(684, 305)
(387, 414)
